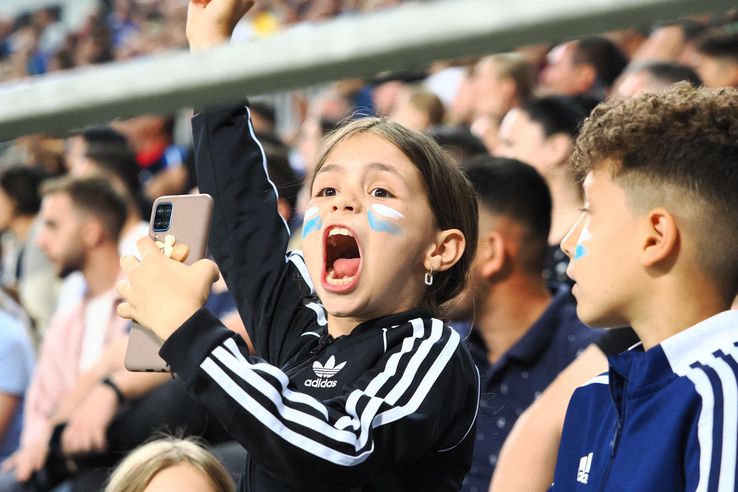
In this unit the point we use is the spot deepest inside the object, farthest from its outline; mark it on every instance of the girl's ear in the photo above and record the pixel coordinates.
(445, 251)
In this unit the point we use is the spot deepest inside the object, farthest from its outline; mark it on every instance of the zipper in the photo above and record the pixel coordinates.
(615, 441)
(313, 355)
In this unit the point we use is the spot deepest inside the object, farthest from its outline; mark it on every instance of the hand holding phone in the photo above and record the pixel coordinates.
(159, 289)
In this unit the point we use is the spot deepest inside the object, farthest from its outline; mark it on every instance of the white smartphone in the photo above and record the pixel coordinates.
(187, 218)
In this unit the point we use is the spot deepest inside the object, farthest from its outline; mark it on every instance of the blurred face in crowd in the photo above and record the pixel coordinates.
(560, 74)
(493, 93)
(717, 72)
(604, 249)
(180, 477)
(77, 163)
(524, 139)
(7, 210)
(633, 83)
(61, 237)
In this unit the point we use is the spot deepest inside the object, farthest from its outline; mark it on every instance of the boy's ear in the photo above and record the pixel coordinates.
(491, 254)
(661, 239)
(446, 250)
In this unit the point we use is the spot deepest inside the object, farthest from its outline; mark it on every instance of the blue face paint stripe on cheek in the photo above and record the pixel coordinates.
(382, 225)
(580, 252)
(311, 225)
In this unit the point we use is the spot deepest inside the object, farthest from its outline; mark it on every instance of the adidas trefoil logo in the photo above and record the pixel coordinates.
(585, 463)
(325, 373)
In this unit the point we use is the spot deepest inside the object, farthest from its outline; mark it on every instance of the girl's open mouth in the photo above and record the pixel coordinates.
(342, 259)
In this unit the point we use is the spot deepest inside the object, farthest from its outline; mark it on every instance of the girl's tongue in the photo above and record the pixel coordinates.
(346, 267)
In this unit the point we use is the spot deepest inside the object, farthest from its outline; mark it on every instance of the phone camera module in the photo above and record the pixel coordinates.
(162, 217)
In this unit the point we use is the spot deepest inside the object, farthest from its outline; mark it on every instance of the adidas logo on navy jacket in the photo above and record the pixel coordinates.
(665, 419)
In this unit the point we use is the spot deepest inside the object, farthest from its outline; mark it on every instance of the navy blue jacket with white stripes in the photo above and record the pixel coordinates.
(664, 419)
(389, 407)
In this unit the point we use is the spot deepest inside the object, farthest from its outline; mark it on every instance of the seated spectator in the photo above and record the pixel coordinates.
(81, 224)
(541, 133)
(16, 366)
(499, 82)
(105, 152)
(26, 272)
(458, 141)
(583, 66)
(523, 334)
(170, 464)
(717, 59)
(653, 77)
(419, 110)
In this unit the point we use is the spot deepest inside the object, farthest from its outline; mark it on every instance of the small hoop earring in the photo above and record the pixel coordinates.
(429, 277)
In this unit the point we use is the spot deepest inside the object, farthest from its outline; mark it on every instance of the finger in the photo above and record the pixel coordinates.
(208, 270)
(22, 472)
(123, 288)
(180, 252)
(147, 247)
(128, 263)
(9, 463)
(67, 441)
(98, 440)
(124, 310)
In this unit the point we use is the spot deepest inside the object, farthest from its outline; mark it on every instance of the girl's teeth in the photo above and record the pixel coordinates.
(331, 279)
(340, 230)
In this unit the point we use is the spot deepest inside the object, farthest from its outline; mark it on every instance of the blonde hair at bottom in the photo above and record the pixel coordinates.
(135, 472)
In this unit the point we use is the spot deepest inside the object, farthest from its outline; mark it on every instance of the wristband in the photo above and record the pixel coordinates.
(118, 393)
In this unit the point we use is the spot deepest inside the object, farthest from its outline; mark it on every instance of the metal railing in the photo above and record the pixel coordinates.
(409, 36)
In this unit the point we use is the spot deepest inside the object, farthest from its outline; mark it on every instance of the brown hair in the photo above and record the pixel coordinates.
(430, 104)
(452, 199)
(677, 149)
(516, 67)
(138, 469)
(93, 196)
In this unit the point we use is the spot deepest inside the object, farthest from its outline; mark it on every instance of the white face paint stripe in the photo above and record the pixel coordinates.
(311, 212)
(585, 235)
(386, 211)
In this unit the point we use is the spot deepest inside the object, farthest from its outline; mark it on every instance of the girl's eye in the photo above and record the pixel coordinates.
(381, 193)
(328, 191)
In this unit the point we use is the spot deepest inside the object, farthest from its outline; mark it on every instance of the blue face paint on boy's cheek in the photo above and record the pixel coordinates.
(580, 252)
(380, 225)
(312, 222)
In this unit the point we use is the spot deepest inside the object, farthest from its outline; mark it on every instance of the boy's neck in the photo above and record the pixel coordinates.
(675, 310)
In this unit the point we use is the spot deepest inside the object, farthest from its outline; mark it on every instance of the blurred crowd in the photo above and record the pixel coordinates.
(526, 104)
(39, 42)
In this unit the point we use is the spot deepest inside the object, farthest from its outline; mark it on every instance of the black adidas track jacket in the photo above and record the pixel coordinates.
(389, 407)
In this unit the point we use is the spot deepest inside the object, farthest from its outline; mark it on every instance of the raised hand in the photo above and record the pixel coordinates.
(211, 22)
(162, 293)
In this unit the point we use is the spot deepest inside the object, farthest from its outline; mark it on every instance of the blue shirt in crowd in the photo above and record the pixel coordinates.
(16, 368)
(510, 385)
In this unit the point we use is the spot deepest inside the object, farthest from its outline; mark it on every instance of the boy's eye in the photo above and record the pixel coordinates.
(381, 193)
(327, 191)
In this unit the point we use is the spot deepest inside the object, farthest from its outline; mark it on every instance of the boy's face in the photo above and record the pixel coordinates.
(367, 229)
(604, 249)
